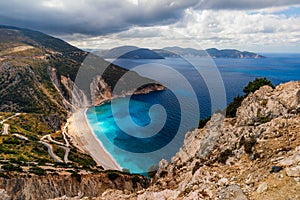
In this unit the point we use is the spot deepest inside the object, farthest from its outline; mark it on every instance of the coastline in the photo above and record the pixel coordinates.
(84, 136)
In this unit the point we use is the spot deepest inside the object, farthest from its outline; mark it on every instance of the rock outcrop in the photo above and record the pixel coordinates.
(74, 186)
(253, 156)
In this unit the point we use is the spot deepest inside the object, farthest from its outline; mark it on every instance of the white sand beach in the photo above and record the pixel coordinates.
(83, 135)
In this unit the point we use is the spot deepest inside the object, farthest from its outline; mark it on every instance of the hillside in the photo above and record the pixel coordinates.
(38, 90)
(38, 71)
(133, 52)
(213, 52)
(130, 52)
(252, 156)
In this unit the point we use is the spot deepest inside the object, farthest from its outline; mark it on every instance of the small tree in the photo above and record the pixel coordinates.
(256, 84)
(251, 87)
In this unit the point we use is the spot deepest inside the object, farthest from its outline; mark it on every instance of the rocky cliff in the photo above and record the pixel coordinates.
(75, 186)
(255, 155)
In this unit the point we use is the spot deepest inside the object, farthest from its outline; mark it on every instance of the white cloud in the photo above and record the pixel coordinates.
(211, 28)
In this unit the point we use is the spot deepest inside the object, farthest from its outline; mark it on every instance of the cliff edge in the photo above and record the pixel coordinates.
(255, 155)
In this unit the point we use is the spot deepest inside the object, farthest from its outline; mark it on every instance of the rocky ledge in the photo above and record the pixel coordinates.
(255, 155)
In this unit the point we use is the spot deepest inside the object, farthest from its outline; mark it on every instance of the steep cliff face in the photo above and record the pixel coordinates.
(53, 186)
(253, 156)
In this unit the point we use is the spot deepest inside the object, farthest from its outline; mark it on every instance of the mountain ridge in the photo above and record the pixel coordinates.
(134, 52)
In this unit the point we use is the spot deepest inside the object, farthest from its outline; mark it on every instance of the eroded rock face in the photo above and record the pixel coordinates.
(100, 91)
(266, 104)
(232, 158)
(73, 187)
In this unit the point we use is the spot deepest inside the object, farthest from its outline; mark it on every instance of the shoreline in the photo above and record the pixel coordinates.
(83, 134)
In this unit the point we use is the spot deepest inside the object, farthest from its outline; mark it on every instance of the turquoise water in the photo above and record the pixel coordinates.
(133, 148)
(132, 151)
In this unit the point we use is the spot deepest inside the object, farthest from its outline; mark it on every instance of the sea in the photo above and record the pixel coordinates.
(140, 130)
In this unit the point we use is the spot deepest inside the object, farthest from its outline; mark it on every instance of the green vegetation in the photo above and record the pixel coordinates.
(12, 167)
(202, 122)
(262, 119)
(163, 174)
(60, 152)
(21, 152)
(3, 175)
(136, 179)
(81, 159)
(237, 101)
(256, 84)
(37, 170)
(251, 87)
(234, 105)
(113, 175)
(26, 87)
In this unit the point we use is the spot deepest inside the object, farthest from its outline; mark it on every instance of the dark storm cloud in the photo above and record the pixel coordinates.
(100, 17)
(91, 17)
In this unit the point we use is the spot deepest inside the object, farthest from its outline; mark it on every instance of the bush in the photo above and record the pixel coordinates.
(12, 140)
(233, 106)
(136, 179)
(3, 175)
(76, 176)
(203, 122)
(251, 87)
(11, 167)
(163, 174)
(37, 170)
(256, 84)
(113, 175)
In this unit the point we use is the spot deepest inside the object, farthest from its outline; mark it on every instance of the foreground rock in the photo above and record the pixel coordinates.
(232, 158)
(73, 186)
(253, 156)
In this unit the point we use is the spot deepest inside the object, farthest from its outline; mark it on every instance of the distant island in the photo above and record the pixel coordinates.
(130, 52)
(133, 52)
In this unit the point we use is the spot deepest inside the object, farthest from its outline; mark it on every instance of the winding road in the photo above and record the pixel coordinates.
(50, 151)
(48, 137)
(60, 145)
(6, 126)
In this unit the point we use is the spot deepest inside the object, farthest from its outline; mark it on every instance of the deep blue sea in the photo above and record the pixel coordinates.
(139, 131)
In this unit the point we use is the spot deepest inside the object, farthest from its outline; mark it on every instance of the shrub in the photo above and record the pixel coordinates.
(203, 122)
(256, 84)
(12, 140)
(251, 87)
(37, 170)
(163, 173)
(264, 119)
(11, 167)
(233, 106)
(136, 179)
(113, 175)
(3, 175)
(76, 176)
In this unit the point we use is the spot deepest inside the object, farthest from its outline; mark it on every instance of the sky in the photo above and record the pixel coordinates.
(253, 25)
